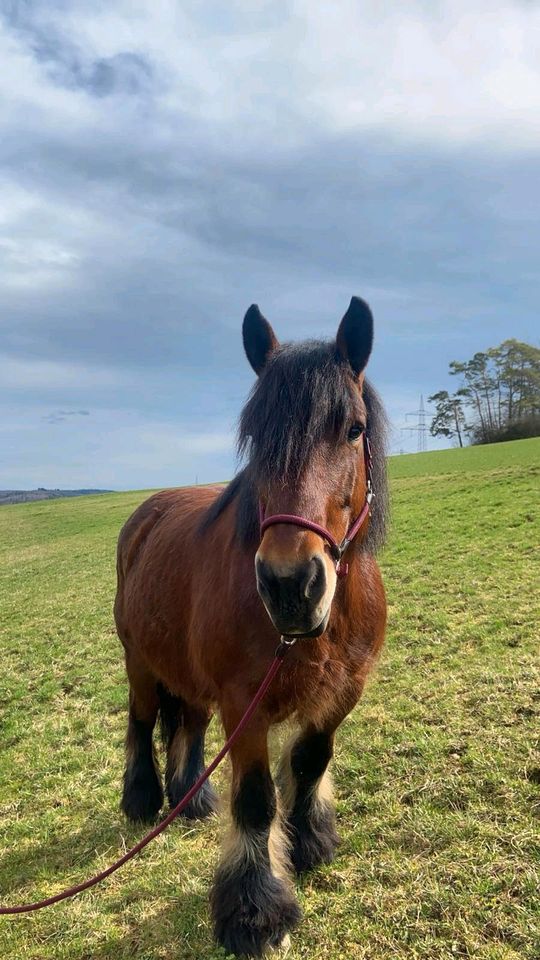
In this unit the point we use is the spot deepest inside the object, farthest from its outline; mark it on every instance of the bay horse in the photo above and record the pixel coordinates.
(203, 599)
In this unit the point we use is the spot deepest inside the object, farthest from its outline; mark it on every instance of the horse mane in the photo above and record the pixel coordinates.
(303, 392)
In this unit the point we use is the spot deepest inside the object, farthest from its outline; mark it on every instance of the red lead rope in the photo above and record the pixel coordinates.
(79, 887)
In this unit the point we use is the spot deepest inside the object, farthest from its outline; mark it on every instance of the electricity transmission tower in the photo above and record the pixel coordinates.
(421, 428)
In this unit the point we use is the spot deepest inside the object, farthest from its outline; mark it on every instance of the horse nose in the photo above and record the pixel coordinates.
(291, 596)
(305, 583)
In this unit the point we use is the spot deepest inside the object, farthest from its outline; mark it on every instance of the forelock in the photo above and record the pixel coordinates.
(304, 394)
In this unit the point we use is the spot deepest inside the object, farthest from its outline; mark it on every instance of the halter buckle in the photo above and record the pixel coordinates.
(284, 644)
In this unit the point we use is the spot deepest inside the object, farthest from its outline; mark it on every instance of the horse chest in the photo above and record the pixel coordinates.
(313, 682)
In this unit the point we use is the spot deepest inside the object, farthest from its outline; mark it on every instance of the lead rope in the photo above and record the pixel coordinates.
(284, 645)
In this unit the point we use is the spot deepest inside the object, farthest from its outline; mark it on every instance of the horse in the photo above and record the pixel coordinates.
(204, 594)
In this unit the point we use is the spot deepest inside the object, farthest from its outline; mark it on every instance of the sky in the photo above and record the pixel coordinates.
(164, 165)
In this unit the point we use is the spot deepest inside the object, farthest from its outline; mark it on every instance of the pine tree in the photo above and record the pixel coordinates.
(449, 419)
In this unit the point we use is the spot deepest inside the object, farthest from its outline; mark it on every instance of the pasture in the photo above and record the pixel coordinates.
(437, 771)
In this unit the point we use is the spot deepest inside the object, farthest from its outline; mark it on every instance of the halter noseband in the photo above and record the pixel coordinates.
(336, 549)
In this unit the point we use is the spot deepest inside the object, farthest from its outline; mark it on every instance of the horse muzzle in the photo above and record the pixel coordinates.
(296, 597)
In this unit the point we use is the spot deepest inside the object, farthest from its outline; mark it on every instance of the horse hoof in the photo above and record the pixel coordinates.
(311, 849)
(245, 939)
(141, 800)
(283, 948)
(203, 805)
(253, 917)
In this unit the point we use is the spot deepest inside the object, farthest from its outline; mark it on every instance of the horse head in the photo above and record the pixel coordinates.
(303, 431)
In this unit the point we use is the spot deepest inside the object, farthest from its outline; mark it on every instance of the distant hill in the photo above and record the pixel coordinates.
(28, 496)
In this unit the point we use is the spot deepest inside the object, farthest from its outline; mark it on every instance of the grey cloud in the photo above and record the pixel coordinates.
(57, 416)
(53, 418)
(127, 73)
(201, 242)
(206, 225)
(69, 65)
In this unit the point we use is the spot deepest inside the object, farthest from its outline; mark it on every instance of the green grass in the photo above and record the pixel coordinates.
(437, 770)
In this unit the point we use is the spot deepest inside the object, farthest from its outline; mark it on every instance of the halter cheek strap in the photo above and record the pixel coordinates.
(336, 549)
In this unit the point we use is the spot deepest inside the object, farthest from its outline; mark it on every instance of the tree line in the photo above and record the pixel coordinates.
(498, 397)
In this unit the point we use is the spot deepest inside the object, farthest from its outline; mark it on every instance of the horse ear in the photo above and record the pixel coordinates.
(355, 335)
(259, 338)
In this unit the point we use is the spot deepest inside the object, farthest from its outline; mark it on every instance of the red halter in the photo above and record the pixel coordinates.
(336, 549)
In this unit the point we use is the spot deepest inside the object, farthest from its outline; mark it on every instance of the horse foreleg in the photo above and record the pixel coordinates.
(142, 796)
(305, 783)
(306, 789)
(253, 904)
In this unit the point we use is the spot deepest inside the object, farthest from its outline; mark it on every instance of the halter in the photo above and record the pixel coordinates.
(336, 549)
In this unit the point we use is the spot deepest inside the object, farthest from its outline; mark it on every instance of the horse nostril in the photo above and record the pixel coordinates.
(315, 582)
(267, 581)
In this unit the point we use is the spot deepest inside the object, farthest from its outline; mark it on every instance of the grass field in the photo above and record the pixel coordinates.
(437, 770)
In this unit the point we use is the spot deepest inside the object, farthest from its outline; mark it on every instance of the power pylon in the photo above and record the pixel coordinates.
(420, 429)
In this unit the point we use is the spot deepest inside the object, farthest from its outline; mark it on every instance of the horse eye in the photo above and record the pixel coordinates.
(355, 432)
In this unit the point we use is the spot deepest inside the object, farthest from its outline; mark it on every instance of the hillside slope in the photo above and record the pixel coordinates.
(8, 497)
(437, 771)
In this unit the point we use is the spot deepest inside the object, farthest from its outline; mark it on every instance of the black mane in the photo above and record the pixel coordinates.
(303, 392)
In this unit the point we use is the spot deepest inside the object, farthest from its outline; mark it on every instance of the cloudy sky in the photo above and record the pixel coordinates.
(165, 164)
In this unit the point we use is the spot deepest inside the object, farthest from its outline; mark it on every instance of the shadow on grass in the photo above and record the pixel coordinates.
(179, 931)
(69, 857)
